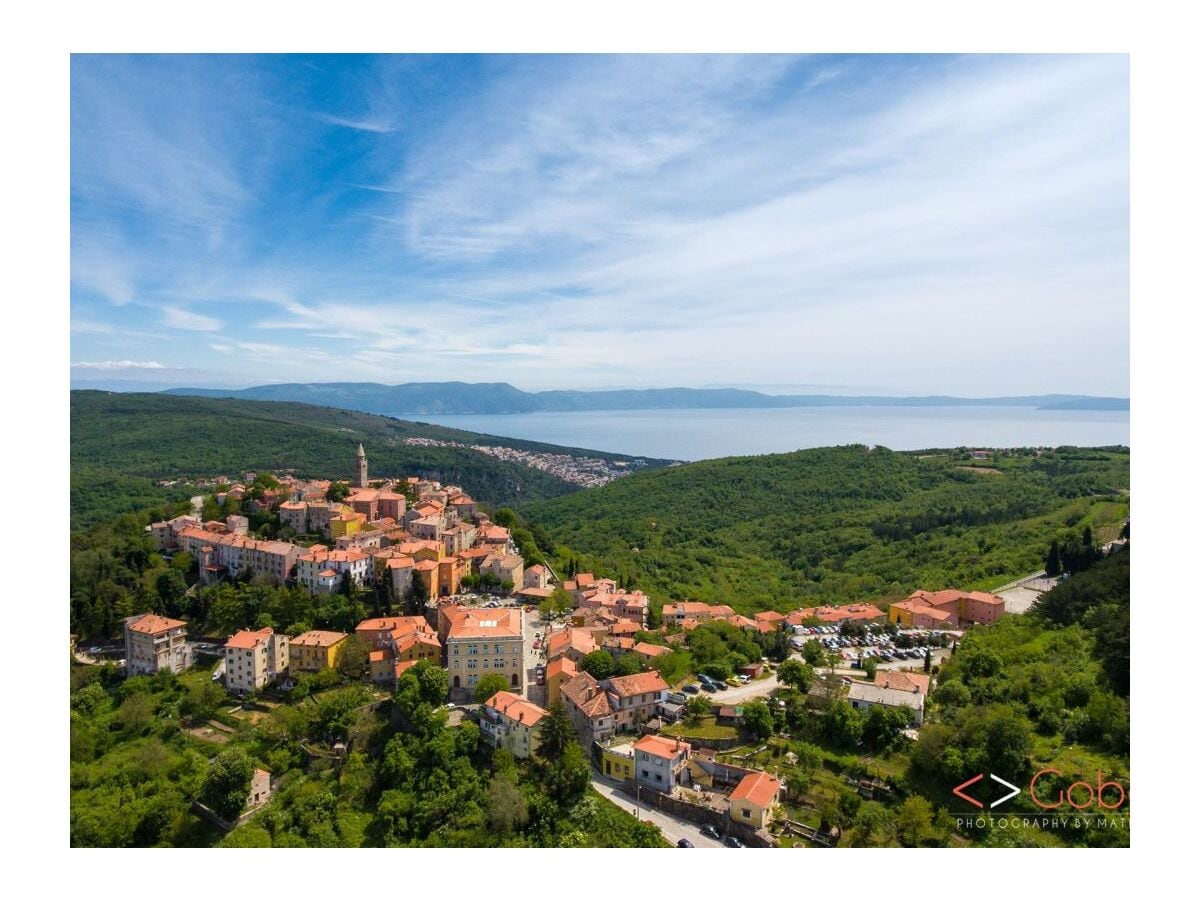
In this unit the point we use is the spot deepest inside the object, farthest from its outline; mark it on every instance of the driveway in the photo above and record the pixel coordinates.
(672, 827)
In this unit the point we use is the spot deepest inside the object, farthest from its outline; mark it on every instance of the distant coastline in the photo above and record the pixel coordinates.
(461, 398)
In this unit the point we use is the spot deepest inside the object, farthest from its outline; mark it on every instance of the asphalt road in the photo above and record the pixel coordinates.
(673, 828)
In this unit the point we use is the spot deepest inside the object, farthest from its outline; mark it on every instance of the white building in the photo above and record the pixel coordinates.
(254, 659)
(864, 695)
(155, 644)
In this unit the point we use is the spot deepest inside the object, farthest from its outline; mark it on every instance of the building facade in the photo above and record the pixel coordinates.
(155, 644)
(254, 659)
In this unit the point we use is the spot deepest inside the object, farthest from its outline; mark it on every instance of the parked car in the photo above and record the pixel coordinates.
(710, 831)
(708, 687)
(731, 841)
(691, 688)
(684, 842)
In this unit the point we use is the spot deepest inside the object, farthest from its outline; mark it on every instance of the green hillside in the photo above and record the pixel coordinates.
(837, 524)
(121, 444)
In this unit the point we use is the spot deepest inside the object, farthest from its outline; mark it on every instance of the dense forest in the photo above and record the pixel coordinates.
(121, 444)
(143, 748)
(836, 524)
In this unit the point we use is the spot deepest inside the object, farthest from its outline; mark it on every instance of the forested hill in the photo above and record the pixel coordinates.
(837, 524)
(121, 444)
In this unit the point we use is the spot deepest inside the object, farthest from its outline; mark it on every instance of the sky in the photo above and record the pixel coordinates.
(891, 224)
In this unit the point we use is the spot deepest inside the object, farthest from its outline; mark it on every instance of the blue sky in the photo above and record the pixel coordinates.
(890, 223)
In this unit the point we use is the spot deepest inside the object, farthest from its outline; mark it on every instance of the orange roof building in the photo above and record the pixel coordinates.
(752, 800)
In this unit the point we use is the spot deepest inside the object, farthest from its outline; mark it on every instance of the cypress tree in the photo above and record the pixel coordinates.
(1053, 562)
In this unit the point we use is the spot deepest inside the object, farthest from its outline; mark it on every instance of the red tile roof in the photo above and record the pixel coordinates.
(643, 683)
(152, 624)
(759, 788)
(667, 748)
(516, 708)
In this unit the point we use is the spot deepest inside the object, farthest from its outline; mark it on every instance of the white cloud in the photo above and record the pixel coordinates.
(118, 364)
(173, 317)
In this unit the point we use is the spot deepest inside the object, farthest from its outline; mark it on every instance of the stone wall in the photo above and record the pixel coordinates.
(701, 815)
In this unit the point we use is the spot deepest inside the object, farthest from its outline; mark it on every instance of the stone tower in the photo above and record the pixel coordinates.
(362, 467)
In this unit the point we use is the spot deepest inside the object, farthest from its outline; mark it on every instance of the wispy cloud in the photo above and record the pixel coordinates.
(118, 364)
(375, 126)
(576, 221)
(174, 317)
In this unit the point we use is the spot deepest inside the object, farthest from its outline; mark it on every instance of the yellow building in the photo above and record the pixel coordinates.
(348, 523)
(616, 761)
(314, 651)
(558, 672)
(751, 801)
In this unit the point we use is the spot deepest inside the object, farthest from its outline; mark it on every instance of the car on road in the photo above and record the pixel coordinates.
(684, 842)
(710, 831)
(731, 841)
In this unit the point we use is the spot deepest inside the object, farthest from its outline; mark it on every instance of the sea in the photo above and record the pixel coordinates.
(693, 434)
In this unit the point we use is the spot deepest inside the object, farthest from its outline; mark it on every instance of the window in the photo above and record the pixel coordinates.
(745, 813)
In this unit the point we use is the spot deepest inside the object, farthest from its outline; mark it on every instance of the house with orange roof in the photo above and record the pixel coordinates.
(318, 559)
(254, 659)
(661, 762)
(752, 801)
(573, 643)
(156, 644)
(536, 576)
(650, 652)
(589, 707)
(483, 642)
(458, 538)
(558, 672)
(617, 646)
(902, 681)
(946, 609)
(314, 651)
(635, 698)
(510, 722)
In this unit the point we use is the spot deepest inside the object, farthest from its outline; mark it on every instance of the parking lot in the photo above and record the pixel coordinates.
(905, 648)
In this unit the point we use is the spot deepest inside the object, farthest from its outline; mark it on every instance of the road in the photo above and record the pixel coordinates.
(673, 828)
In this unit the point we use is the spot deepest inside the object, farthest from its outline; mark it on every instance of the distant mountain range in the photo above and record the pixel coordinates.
(461, 398)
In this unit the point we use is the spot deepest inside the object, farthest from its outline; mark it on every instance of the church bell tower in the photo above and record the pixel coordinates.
(362, 467)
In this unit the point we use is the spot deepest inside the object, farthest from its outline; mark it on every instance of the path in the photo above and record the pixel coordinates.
(672, 827)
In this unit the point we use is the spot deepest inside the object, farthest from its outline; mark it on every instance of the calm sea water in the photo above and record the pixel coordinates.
(692, 434)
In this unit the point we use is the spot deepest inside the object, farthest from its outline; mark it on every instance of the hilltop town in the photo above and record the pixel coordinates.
(652, 696)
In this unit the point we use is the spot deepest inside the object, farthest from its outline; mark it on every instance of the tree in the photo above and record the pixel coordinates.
(555, 733)
(202, 700)
(567, 778)
(630, 664)
(758, 719)
(337, 492)
(1053, 562)
(844, 724)
(883, 726)
(870, 666)
(488, 686)
(813, 653)
(354, 660)
(227, 784)
(796, 674)
(599, 664)
(171, 587)
(505, 805)
(698, 707)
